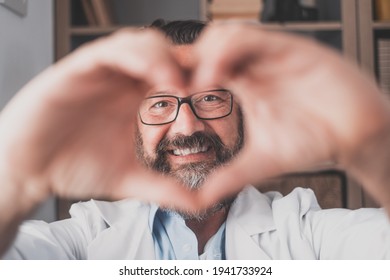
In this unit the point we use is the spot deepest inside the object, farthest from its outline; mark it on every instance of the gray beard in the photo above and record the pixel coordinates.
(193, 175)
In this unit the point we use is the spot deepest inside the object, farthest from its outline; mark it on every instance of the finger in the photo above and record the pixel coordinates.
(143, 55)
(229, 180)
(221, 55)
(148, 186)
(226, 51)
(270, 154)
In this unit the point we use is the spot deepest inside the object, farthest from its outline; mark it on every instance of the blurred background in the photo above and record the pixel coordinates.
(35, 34)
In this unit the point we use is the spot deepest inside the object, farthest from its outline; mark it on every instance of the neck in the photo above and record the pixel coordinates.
(207, 227)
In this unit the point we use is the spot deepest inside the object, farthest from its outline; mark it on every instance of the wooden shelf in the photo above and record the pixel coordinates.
(305, 26)
(300, 26)
(379, 25)
(94, 30)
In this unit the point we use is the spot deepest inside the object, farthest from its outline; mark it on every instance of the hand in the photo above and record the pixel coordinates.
(69, 132)
(303, 105)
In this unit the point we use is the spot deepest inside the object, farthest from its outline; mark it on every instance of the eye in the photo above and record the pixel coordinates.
(210, 98)
(160, 104)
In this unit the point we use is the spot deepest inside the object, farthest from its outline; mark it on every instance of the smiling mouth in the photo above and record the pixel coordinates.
(190, 151)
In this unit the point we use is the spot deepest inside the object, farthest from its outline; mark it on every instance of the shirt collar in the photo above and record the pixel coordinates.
(249, 203)
(152, 215)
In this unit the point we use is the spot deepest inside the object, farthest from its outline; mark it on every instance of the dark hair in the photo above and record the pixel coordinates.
(180, 32)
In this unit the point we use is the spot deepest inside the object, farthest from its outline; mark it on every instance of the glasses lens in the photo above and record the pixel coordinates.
(212, 104)
(158, 109)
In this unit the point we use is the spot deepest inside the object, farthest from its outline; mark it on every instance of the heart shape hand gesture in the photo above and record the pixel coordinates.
(69, 132)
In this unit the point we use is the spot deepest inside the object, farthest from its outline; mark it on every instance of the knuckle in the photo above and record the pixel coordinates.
(143, 36)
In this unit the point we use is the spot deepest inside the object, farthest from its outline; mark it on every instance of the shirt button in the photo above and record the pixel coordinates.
(187, 248)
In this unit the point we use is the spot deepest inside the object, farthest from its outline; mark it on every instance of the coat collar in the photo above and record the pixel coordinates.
(249, 203)
(249, 216)
(129, 235)
(252, 211)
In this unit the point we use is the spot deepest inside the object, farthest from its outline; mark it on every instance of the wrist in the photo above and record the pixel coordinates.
(370, 163)
(19, 195)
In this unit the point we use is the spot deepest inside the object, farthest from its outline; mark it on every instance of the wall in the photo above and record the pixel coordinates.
(26, 48)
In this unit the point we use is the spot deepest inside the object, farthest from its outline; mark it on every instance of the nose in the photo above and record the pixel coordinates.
(186, 122)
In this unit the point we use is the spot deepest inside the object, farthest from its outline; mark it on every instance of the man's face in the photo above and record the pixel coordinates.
(189, 148)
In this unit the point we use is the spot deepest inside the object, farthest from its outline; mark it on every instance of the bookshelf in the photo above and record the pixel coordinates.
(350, 26)
(73, 28)
(374, 32)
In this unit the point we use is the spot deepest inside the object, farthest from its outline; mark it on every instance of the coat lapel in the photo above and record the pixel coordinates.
(249, 216)
(128, 235)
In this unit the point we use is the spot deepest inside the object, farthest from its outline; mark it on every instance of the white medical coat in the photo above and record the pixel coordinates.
(258, 226)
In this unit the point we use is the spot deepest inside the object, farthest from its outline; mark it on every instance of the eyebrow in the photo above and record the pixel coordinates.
(161, 92)
(174, 93)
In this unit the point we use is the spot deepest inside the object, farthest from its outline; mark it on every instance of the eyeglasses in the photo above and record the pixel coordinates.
(206, 105)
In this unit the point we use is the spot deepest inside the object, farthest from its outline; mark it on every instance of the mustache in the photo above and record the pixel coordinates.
(196, 140)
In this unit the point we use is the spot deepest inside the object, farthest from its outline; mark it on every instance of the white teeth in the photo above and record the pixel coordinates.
(187, 151)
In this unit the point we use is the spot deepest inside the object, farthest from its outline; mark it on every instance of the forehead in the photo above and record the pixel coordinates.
(184, 55)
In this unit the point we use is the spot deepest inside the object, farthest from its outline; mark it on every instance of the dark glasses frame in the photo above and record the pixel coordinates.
(188, 100)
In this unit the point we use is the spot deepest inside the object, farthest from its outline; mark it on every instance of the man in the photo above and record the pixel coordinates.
(81, 116)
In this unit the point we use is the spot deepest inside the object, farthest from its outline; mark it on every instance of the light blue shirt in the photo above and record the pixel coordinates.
(173, 240)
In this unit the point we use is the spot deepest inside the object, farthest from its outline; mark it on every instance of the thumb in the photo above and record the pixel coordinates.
(229, 180)
(149, 186)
